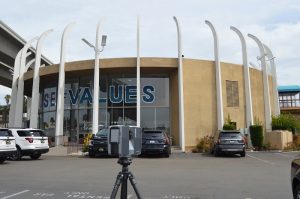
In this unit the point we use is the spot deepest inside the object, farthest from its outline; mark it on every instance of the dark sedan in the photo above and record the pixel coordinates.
(98, 143)
(231, 142)
(155, 142)
(295, 178)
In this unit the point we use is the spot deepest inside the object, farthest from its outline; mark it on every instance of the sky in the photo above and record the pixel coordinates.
(275, 22)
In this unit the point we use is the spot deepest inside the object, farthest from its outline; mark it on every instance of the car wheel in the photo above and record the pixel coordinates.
(91, 154)
(35, 156)
(297, 192)
(17, 155)
(216, 154)
(2, 159)
(243, 154)
(167, 154)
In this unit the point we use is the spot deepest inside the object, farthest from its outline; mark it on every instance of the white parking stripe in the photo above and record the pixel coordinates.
(15, 194)
(285, 155)
(265, 161)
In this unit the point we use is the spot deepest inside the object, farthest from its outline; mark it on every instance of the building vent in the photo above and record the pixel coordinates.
(232, 91)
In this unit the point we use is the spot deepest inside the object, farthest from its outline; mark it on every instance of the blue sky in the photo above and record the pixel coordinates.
(275, 22)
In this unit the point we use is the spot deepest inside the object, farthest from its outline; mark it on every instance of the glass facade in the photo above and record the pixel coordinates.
(117, 104)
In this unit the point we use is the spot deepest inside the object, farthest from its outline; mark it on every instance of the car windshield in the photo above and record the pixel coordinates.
(156, 134)
(33, 133)
(5, 133)
(101, 133)
(230, 135)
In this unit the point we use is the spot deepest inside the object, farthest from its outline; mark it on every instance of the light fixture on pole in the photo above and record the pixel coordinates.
(254, 65)
(103, 44)
(96, 76)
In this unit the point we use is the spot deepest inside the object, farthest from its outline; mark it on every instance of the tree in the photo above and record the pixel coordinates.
(7, 99)
(6, 109)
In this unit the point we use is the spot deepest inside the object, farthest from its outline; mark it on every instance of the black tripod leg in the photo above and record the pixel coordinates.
(133, 183)
(124, 186)
(116, 186)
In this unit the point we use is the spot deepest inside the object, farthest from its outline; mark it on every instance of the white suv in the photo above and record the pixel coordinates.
(7, 144)
(30, 142)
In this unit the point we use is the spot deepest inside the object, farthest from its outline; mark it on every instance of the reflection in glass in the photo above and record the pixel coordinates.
(79, 99)
(147, 118)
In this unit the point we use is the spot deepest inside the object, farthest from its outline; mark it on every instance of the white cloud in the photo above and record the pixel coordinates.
(276, 23)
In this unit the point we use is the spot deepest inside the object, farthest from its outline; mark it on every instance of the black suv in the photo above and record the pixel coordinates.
(155, 142)
(229, 141)
(295, 177)
(98, 143)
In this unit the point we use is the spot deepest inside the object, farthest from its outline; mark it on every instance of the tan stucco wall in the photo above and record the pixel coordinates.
(272, 102)
(200, 97)
(234, 72)
(279, 139)
(120, 64)
(257, 95)
(199, 100)
(174, 110)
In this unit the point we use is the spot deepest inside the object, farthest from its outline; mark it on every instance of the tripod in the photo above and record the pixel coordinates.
(122, 179)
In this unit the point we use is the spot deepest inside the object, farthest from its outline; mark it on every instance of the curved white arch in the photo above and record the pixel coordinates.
(247, 82)
(20, 92)
(36, 81)
(267, 105)
(138, 76)
(14, 90)
(61, 88)
(274, 75)
(220, 113)
(180, 88)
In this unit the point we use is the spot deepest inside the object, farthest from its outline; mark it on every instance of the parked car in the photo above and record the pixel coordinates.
(98, 143)
(7, 144)
(30, 142)
(155, 142)
(295, 177)
(229, 142)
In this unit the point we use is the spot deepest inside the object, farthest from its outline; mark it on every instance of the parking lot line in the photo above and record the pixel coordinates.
(285, 155)
(15, 194)
(265, 161)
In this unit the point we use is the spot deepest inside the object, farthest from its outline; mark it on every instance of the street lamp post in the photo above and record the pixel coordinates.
(274, 80)
(96, 75)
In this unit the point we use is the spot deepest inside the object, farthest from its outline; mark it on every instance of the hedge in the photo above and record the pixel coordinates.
(257, 137)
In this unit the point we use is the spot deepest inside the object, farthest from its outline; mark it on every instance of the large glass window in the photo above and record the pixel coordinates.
(48, 123)
(86, 92)
(147, 118)
(85, 123)
(117, 104)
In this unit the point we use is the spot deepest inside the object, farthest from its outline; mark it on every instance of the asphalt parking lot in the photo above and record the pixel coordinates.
(260, 175)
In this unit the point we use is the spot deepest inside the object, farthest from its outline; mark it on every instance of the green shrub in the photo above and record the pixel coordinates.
(257, 136)
(228, 124)
(285, 122)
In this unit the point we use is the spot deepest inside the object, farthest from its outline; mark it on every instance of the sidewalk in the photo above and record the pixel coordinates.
(63, 151)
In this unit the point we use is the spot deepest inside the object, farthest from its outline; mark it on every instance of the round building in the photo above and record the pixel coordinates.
(159, 94)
